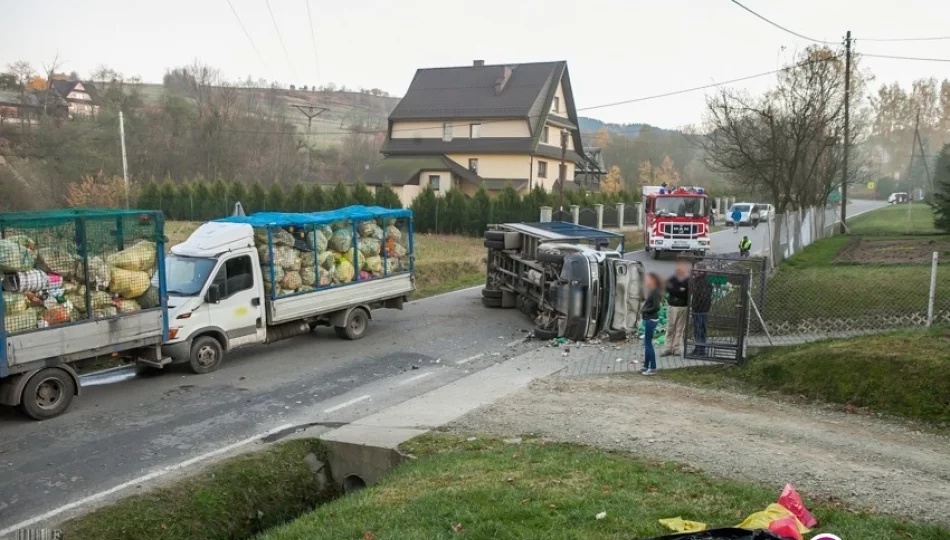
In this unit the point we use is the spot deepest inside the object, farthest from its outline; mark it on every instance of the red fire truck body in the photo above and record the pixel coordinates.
(676, 220)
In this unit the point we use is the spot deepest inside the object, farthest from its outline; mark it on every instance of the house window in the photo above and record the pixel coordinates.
(434, 182)
(474, 130)
(447, 132)
(473, 165)
(546, 135)
(557, 104)
(542, 169)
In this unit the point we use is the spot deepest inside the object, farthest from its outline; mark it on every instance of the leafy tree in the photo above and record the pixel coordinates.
(256, 199)
(387, 198)
(613, 183)
(480, 212)
(149, 197)
(508, 205)
(275, 198)
(340, 197)
(456, 212)
(219, 204)
(362, 195)
(203, 207)
(237, 193)
(424, 209)
(184, 206)
(297, 199)
(941, 196)
(316, 199)
(531, 207)
(167, 196)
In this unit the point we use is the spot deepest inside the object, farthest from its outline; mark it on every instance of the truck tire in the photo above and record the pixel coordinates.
(492, 293)
(494, 244)
(47, 394)
(492, 302)
(508, 299)
(655, 253)
(544, 334)
(356, 324)
(550, 256)
(495, 236)
(206, 355)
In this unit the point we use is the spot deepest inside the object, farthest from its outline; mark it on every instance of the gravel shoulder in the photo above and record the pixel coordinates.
(875, 464)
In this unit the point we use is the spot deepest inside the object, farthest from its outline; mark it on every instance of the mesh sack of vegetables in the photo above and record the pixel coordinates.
(392, 265)
(19, 322)
(100, 274)
(15, 257)
(327, 259)
(109, 311)
(308, 259)
(149, 299)
(393, 232)
(287, 258)
(308, 276)
(128, 283)
(317, 236)
(345, 272)
(372, 264)
(126, 306)
(278, 273)
(14, 303)
(57, 315)
(138, 258)
(370, 247)
(341, 240)
(337, 225)
(328, 277)
(280, 237)
(56, 261)
(367, 229)
(291, 282)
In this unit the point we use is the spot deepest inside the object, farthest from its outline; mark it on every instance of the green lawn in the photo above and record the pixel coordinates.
(898, 219)
(535, 490)
(903, 373)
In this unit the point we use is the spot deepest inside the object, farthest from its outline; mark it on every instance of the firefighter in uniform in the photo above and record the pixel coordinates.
(745, 245)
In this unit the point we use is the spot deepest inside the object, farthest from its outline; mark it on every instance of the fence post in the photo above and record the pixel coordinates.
(599, 208)
(546, 214)
(640, 217)
(620, 207)
(576, 213)
(933, 290)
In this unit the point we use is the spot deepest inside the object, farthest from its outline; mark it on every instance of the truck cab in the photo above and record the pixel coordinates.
(676, 220)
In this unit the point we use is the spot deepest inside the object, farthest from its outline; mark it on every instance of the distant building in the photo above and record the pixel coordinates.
(590, 171)
(481, 126)
(28, 106)
(81, 97)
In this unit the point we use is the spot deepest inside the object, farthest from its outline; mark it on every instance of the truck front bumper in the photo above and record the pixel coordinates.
(676, 244)
(180, 351)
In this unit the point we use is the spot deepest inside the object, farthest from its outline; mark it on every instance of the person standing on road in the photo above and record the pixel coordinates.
(700, 298)
(736, 218)
(754, 216)
(650, 313)
(678, 289)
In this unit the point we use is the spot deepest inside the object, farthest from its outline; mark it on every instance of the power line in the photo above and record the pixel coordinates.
(905, 57)
(281, 38)
(313, 37)
(780, 27)
(246, 33)
(936, 38)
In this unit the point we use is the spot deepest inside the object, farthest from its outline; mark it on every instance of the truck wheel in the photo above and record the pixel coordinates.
(492, 293)
(492, 302)
(47, 394)
(494, 244)
(206, 355)
(495, 236)
(655, 253)
(356, 324)
(550, 256)
(544, 334)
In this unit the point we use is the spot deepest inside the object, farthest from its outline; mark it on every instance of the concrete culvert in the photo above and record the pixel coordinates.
(353, 483)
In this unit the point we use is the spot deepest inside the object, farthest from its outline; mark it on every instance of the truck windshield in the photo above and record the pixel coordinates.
(187, 275)
(680, 206)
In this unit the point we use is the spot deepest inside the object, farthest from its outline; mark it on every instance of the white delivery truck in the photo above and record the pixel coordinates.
(234, 283)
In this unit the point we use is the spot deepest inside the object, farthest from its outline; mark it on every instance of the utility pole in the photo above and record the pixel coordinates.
(310, 112)
(125, 162)
(923, 156)
(847, 132)
(562, 172)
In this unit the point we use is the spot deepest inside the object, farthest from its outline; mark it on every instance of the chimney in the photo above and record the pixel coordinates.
(500, 83)
(479, 63)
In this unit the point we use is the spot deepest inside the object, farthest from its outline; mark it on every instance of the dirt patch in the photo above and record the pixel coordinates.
(902, 251)
(873, 463)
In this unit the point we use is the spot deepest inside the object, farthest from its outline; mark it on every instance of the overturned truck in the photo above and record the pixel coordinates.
(571, 280)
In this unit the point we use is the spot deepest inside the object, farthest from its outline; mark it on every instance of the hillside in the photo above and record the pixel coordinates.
(593, 125)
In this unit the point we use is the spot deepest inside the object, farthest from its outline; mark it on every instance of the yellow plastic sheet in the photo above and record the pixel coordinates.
(681, 525)
(774, 511)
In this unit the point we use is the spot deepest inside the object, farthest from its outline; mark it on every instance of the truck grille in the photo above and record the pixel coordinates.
(680, 230)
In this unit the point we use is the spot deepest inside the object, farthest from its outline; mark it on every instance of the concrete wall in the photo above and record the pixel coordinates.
(510, 166)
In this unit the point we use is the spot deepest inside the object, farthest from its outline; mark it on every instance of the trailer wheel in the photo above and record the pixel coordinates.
(494, 244)
(550, 256)
(492, 293)
(544, 334)
(491, 302)
(495, 236)
(206, 355)
(47, 394)
(356, 324)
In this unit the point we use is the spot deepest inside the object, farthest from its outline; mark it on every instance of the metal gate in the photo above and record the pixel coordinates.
(718, 315)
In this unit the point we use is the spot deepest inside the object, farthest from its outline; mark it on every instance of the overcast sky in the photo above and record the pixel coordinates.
(616, 49)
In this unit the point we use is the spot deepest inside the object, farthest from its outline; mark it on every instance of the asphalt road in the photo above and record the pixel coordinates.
(123, 426)
(727, 241)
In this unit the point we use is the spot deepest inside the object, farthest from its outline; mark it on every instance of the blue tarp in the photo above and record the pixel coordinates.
(285, 219)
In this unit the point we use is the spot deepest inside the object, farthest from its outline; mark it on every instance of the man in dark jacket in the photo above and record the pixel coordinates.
(701, 303)
(677, 287)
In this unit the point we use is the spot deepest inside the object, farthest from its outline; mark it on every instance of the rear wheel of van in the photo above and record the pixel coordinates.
(48, 393)
(356, 324)
(206, 355)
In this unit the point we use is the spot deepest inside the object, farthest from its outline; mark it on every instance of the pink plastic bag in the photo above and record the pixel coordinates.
(793, 502)
(786, 527)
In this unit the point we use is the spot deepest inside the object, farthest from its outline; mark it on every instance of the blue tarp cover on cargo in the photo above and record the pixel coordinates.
(283, 219)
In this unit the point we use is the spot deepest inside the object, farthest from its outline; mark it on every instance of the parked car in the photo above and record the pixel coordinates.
(745, 210)
(898, 198)
(765, 211)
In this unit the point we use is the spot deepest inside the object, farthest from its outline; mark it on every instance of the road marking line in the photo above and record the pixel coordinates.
(346, 404)
(140, 480)
(414, 379)
(469, 359)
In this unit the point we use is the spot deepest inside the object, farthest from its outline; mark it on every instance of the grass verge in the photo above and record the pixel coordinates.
(903, 373)
(898, 219)
(236, 499)
(445, 263)
(487, 489)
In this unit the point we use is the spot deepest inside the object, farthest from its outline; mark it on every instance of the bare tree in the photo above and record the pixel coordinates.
(50, 70)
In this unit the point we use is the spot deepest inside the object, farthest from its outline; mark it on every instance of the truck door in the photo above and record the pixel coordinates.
(239, 310)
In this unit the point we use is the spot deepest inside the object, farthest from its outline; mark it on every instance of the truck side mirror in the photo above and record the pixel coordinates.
(214, 294)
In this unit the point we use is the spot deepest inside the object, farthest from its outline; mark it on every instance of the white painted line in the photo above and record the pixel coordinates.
(140, 480)
(346, 404)
(469, 359)
(414, 379)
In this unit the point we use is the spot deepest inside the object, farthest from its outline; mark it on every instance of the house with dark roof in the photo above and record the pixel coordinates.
(29, 106)
(81, 97)
(481, 126)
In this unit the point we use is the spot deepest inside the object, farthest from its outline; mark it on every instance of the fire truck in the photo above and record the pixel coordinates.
(676, 220)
